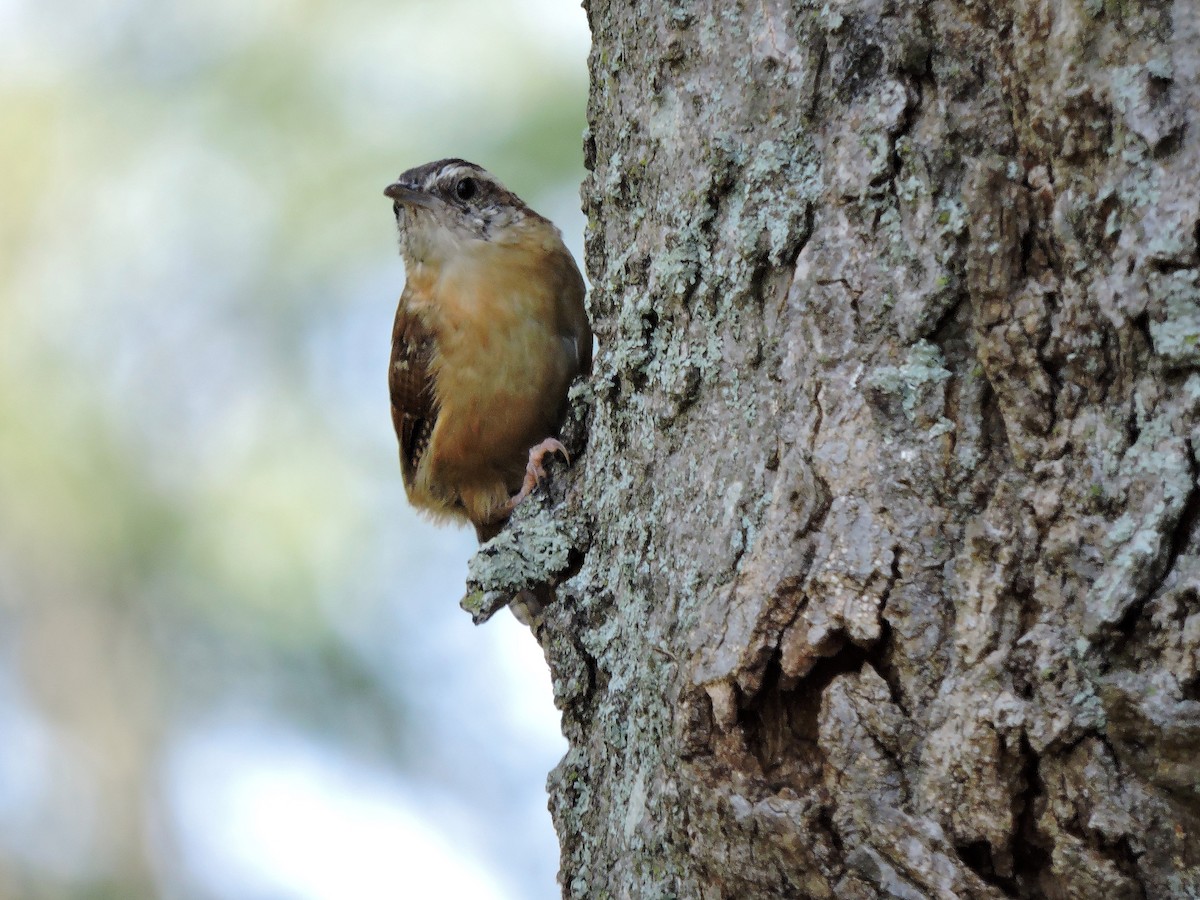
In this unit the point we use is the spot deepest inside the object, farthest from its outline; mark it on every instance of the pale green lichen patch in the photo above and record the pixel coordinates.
(922, 372)
(482, 605)
(531, 552)
(951, 216)
(1177, 337)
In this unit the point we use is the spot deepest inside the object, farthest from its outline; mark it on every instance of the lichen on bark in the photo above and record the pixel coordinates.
(890, 581)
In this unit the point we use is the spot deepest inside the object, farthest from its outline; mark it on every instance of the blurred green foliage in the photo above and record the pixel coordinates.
(200, 508)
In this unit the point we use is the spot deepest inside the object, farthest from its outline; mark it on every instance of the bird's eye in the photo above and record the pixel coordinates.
(466, 188)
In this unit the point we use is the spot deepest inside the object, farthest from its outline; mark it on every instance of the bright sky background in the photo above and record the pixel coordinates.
(232, 664)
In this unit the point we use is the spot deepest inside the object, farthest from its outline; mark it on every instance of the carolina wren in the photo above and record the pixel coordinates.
(490, 332)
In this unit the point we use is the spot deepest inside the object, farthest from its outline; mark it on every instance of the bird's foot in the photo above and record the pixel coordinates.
(535, 471)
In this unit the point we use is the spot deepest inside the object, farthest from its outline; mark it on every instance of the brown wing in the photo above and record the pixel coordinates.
(413, 409)
(573, 322)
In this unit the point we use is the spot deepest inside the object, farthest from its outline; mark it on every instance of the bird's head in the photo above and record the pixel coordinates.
(443, 207)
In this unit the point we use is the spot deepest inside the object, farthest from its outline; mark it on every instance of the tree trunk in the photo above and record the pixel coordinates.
(880, 570)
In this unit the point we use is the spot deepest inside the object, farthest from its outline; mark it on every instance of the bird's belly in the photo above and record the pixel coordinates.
(499, 393)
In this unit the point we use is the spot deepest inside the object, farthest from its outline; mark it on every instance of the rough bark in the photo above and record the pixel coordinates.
(880, 571)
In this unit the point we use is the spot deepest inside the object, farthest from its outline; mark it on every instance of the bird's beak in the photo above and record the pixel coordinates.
(407, 196)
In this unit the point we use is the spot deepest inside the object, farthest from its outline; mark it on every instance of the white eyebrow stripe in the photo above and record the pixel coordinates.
(452, 173)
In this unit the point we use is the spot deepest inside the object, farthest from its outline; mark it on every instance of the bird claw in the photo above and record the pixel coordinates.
(535, 471)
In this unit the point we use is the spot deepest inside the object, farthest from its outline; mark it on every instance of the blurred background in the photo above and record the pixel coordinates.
(232, 662)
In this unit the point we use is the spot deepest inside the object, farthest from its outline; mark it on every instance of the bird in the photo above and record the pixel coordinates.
(490, 332)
